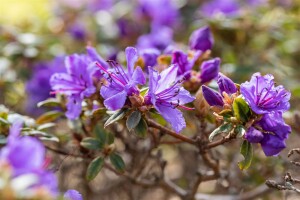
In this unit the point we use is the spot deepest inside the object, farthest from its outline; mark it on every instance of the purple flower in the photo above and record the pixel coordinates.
(271, 132)
(229, 8)
(72, 195)
(16, 154)
(149, 56)
(263, 96)
(159, 38)
(76, 84)
(77, 31)
(160, 12)
(212, 97)
(209, 69)
(121, 83)
(166, 94)
(184, 64)
(38, 87)
(201, 39)
(226, 84)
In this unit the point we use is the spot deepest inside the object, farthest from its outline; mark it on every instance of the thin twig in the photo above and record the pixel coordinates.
(154, 124)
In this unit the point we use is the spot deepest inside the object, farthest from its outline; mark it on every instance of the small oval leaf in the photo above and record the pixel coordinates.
(117, 115)
(241, 109)
(247, 151)
(49, 117)
(224, 128)
(133, 120)
(141, 129)
(117, 162)
(94, 168)
(91, 143)
(52, 102)
(239, 131)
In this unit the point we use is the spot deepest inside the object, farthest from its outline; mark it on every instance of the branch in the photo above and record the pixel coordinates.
(154, 124)
(62, 152)
(217, 143)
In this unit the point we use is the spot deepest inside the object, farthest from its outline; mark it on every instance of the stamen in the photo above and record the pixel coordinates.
(110, 74)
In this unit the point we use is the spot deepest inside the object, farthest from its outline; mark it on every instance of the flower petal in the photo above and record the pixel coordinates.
(73, 107)
(272, 145)
(116, 102)
(138, 76)
(95, 57)
(173, 116)
(273, 122)
(253, 135)
(131, 57)
(167, 77)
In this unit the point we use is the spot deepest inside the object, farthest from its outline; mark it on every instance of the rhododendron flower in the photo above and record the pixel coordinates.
(76, 84)
(167, 95)
(271, 132)
(121, 83)
(26, 156)
(263, 96)
(38, 87)
(149, 56)
(160, 38)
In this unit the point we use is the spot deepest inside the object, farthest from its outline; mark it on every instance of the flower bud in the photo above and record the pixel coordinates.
(201, 39)
(212, 97)
(226, 84)
(209, 70)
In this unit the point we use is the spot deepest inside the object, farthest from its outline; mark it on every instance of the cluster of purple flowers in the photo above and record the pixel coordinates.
(24, 159)
(270, 101)
(121, 87)
(267, 102)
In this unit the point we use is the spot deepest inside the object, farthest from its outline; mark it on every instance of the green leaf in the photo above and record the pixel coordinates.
(110, 138)
(91, 143)
(49, 117)
(99, 112)
(247, 152)
(227, 113)
(133, 120)
(94, 168)
(141, 129)
(241, 109)
(117, 115)
(52, 102)
(224, 128)
(239, 131)
(100, 133)
(45, 126)
(117, 162)
(3, 121)
(41, 134)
